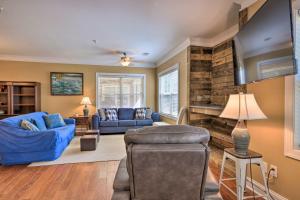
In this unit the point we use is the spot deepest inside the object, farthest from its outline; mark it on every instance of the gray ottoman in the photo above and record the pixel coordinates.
(88, 143)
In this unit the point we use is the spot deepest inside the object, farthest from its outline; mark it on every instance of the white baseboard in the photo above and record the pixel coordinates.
(260, 189)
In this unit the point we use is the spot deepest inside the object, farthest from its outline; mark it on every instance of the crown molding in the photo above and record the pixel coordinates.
(197, 41)
(173, 52)
(61, 61)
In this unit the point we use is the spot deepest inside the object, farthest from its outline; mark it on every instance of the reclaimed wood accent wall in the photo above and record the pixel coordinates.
(200, 75)
(223, 74)
(211, 78)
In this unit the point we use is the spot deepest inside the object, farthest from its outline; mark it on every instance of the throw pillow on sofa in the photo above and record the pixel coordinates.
(101, 113)
(111, 114)
(140, 113)
(54, 121)
(27, 125)
(40, 123)
(148, 113)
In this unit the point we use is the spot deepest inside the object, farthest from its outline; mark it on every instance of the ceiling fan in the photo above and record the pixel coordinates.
(126, 58)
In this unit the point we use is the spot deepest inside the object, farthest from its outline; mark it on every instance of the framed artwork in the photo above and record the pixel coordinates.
(65, 83)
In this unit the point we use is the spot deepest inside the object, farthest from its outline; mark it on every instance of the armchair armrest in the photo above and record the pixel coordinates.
(95, 121)
(69, 120)
(155, 117)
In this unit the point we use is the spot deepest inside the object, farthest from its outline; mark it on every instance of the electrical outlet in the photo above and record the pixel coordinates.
(274, 172)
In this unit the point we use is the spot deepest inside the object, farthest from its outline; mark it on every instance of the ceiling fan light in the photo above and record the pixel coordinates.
(125, 61)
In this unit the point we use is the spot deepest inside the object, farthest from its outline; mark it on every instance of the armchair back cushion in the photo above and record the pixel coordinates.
(167, 162)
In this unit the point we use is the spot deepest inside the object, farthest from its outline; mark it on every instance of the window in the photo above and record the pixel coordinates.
(168, 92)
(292, 110)
(120, 90)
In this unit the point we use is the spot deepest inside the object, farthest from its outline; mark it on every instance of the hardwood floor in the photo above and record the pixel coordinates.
(84, 181)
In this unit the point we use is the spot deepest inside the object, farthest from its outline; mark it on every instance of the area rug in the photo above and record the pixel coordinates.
(110, 147)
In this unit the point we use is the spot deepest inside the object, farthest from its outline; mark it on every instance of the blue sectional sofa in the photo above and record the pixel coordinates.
(126, 120)
(19, 146)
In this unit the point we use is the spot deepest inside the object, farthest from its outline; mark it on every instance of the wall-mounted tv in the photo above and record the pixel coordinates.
(264, 46)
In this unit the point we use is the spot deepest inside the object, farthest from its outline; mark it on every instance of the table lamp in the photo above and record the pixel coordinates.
(85, 101)
(242, 107)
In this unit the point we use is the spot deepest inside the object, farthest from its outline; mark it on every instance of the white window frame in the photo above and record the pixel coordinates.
(289, 107)
(99, 74)
(289, 114)
(166, 71)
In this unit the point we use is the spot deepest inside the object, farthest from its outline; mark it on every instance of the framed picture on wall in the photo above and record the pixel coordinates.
(65, 83)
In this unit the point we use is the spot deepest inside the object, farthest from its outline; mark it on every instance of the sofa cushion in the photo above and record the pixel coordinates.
(127, 122)
(149, 113)
(145, 122)
(126, 113)
(16, 121)
(111, 114)
(140, 113)
(54, 121)
(27, 125)
(40, 123)
(101, 112)
(109, 123)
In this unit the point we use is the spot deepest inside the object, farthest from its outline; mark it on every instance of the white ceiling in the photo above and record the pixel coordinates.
(63, 30)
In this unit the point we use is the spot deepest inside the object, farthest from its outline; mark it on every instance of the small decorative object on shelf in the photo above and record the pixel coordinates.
(242, 107)
(86, 101)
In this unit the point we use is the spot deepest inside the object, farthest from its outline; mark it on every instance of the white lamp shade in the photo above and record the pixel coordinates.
(86, 101)
(242, 107)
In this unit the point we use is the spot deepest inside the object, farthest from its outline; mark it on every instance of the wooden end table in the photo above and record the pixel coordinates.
(82, 121)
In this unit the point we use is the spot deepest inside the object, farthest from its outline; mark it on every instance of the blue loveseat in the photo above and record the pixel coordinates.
(19, 146)
(126, 120)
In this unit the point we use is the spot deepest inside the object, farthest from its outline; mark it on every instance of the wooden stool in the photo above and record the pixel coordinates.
(241, 162)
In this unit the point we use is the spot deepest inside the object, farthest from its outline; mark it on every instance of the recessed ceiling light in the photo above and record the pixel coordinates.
(267, 39)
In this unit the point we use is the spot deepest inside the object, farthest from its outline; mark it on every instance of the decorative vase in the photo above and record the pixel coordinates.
(241, 138)
(85, 111)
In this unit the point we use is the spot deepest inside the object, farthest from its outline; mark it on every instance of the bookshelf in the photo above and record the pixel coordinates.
(18, 98)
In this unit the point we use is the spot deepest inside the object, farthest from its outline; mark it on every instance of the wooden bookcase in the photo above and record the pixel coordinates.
(18, 98)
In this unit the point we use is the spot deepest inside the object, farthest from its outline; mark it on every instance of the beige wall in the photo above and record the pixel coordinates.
(267, 137)
(68, 105)
(181, 59)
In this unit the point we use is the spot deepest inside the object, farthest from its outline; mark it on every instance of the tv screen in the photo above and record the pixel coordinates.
(263, 47)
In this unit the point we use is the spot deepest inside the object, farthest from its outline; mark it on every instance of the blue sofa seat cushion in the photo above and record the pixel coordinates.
(126, 113)
(109, 123)
(145, 122)
(127, 123)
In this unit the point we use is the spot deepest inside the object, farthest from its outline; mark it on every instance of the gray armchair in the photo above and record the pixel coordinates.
(166, 163)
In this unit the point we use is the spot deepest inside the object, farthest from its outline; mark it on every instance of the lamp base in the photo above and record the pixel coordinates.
(85, 111)
(241, 138)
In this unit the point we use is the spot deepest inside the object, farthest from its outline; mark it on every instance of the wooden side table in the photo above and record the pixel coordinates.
(82, 121)
(241, 162)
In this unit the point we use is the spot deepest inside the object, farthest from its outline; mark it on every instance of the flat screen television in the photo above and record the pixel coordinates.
(264, 47)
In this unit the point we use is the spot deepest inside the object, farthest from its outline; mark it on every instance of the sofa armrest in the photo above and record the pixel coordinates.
(69, 120)
(155, 117)
(14, 139)
(96, 121)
